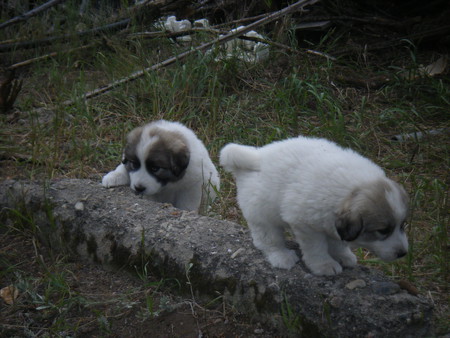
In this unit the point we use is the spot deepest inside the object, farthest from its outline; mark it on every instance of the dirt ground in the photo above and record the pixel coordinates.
(104, 303)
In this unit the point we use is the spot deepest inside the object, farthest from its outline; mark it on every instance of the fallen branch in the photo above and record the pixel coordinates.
(230, 36)
(29, 14)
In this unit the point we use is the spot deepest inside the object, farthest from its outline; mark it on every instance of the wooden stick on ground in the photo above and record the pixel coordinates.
(29, 14)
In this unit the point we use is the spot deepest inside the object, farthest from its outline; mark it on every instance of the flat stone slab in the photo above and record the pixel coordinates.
(116, 227)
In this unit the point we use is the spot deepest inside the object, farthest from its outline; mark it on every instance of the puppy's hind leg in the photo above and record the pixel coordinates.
(270, 240)
(314, 248)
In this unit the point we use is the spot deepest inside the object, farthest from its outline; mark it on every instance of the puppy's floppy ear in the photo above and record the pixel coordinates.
(133, 138)
(348, 227)
(349, 221)
(179, 161)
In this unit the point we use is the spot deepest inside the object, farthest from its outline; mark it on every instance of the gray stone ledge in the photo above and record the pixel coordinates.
(116, 227)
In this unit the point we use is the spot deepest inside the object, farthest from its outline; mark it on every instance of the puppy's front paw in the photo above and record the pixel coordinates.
(283, 259)
(348, 259)
(114, 179)
(326, 268)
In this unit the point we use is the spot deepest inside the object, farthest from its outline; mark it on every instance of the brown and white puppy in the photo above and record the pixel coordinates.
(166, 161)
(329, 197)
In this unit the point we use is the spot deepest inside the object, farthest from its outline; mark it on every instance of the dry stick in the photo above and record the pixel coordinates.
(46, 56)
(271, 17)
(31, 13)
(287, 48)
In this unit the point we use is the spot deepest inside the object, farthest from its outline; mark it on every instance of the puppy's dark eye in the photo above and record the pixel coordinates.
(154, 169)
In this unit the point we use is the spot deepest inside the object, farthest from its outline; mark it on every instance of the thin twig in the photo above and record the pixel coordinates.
(287, 48)
(29, 14)
(46, 56)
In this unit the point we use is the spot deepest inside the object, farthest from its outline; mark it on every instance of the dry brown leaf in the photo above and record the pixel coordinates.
(9, 294)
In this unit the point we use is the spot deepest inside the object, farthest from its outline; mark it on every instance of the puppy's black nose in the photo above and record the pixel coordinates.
(401, 254)
(139, 189)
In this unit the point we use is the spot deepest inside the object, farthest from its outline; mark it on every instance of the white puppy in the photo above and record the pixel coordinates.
(166, 161)
(328, 196)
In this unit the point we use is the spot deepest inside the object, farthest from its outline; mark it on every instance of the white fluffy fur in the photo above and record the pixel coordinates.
(196, 187)
(313, 188)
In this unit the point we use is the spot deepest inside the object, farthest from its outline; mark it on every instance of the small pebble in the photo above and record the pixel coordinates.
(357, 283)
(79, 206)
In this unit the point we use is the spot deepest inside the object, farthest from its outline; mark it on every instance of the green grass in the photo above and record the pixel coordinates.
(231, 101)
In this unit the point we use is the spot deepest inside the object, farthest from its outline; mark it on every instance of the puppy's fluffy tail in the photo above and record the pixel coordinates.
(235, 157)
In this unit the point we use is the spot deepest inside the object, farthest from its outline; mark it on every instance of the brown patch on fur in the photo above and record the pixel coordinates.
(170, 140)
(169, 151)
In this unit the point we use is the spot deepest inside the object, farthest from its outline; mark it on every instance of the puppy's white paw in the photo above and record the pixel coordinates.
(325, 268)
(283, 259)
(348, 259)
(114, 179)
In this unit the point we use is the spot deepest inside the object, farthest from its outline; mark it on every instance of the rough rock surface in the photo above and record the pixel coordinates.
(116, 227)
